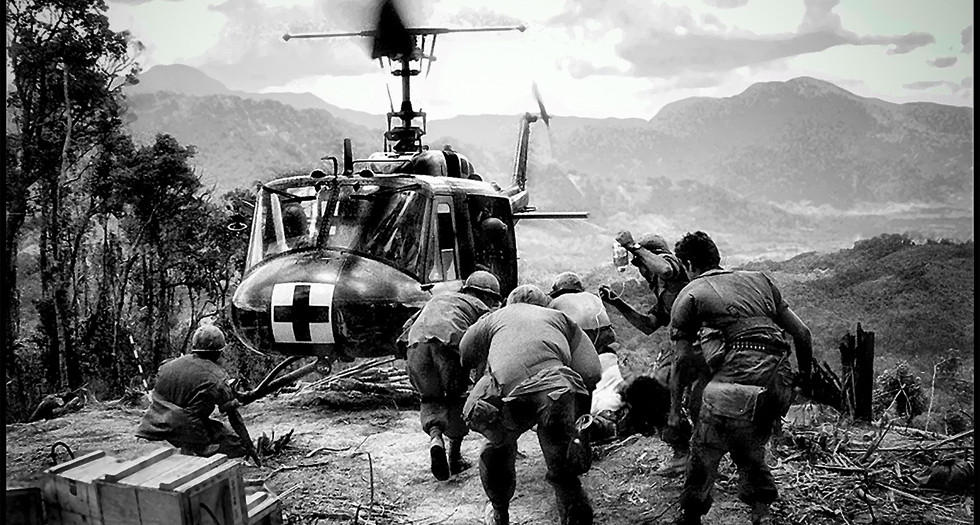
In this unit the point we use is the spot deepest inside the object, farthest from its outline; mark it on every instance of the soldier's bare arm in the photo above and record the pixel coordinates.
(802, 339)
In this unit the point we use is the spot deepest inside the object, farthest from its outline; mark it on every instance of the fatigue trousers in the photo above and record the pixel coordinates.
(223, 440)
(435, 371)
(691, 396)
(746, 441)
(556, 429)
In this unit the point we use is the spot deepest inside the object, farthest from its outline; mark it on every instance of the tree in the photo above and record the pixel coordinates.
(67, 69)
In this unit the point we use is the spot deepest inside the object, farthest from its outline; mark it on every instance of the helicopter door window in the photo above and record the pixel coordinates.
(446, 233)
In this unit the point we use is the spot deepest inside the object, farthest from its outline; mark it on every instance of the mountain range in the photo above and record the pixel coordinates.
(804, 161)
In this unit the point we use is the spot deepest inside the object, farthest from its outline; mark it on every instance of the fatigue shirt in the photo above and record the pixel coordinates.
(446, 317)
(523, 341)
(726, 300)
(585, 308)
(186, 392)
(667, 287)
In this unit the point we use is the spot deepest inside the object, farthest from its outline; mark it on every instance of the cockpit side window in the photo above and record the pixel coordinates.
(446, 267)
(284, 221)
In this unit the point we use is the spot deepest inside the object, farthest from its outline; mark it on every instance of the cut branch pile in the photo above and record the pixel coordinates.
(365, 385)
(888, 474)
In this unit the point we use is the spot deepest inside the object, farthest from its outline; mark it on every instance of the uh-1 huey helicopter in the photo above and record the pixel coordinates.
(338, 262)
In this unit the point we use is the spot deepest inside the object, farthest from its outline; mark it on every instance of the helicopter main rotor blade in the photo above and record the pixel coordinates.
(415, 31)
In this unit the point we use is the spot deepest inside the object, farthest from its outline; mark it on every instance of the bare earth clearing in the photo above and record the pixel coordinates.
(339, 486)
(371, 467)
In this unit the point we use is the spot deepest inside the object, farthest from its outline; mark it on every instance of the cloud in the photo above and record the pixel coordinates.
(483, 17)
(139, 2)
(726, 4)
(964, 86)
(663, 41)
(251, 53)
(942, 62)
(966, 38)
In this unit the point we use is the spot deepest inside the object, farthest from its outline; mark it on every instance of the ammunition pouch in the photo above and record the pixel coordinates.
(752, 403)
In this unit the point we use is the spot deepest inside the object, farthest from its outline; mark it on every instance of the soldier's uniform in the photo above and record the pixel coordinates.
(543, 368)
(733, 314)
(186, 392)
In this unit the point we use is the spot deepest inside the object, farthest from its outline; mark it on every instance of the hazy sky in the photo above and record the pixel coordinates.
(596, 58)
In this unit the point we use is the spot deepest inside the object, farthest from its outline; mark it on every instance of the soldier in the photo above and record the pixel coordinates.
(739, 317)
(434, 368)
(186, 392)
(539, 368)
(666, 277)
(587, 310)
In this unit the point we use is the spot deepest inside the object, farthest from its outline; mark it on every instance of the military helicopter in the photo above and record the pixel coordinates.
(338, 260)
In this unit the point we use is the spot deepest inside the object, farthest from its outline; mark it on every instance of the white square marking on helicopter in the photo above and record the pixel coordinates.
(301, 313)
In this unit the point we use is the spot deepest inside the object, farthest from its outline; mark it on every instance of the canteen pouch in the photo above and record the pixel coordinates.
(481, 411)
(735, 401)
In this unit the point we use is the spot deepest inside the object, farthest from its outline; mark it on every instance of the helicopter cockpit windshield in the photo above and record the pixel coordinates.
(384, 223)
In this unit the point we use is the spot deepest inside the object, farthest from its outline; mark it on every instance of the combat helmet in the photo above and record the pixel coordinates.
(566, 282)
(208, 338)
(484, 282)
(528, 293)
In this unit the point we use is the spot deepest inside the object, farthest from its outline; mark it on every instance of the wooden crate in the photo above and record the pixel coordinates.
(175, 490)
(69, 490)
(263, 509)
(162, 488)
(22, 506)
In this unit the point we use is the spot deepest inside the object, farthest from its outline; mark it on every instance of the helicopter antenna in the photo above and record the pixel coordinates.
(400, 44)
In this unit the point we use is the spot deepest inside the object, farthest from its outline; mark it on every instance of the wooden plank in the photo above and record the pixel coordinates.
(269, 512)
(90, 471)
(254, 499)
(192, 471)
(138, 464)
(226, 479)
(80, 460)
(118, 503)
(151, 471)
(157, 507)
(174, 466)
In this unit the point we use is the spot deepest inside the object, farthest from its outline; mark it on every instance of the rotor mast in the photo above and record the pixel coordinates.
(400, 45)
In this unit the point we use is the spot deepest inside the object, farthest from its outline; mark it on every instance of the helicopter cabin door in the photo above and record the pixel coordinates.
(444, 250)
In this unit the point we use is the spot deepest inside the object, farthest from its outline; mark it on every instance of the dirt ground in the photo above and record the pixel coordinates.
(379, 455)
(371, 467)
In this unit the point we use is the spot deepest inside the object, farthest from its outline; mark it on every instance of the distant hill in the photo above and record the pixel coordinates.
(782, 168)
(242, 140)
(804, 140)
(186, 80)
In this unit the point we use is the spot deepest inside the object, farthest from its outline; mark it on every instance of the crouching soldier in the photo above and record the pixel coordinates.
(739, 317)
(186, 392)
(539, 369)
(434, 368)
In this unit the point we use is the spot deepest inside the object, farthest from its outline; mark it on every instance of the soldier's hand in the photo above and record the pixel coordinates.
(606, 293)
(624, 238)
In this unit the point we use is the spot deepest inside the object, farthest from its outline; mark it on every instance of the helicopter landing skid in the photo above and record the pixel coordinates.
(271, 382)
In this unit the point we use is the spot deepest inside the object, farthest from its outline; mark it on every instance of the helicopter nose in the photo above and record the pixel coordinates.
(324, 303)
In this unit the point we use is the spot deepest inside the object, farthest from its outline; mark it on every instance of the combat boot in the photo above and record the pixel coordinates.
(675, 465)
(437, 455)
(760, 514)
(495, 515)
(457, 463)
(573, 506)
